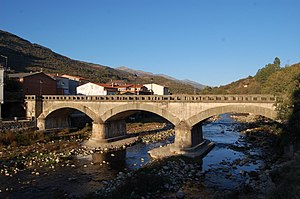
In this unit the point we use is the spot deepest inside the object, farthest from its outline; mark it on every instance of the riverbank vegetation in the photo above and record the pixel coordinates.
(282, 82)
(29, 137)
(20, 146)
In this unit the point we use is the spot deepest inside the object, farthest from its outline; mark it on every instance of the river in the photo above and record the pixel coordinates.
(225, 166)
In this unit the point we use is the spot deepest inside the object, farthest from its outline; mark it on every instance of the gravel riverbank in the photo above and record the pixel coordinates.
(45, 166)
(63, 168)
(186, 178)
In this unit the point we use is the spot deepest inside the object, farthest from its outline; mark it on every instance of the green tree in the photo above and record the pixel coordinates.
(264, 73)
(283, 84)
(293, 129)
(277, 62)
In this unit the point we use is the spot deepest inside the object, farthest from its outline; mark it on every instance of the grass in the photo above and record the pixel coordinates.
(25, 138)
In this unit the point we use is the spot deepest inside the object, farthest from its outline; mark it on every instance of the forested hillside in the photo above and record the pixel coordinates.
(270, 79)
(283, 82)
(23, 56)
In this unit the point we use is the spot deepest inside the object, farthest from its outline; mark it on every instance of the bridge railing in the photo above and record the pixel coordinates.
(160, 98)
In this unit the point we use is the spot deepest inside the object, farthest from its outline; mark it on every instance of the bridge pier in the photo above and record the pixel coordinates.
(187, 137)
(41, 123)
(106, 132)
(183, 138)
(188, 142)
(98, 131)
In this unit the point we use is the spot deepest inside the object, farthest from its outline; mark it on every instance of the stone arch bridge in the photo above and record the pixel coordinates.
(108, 113)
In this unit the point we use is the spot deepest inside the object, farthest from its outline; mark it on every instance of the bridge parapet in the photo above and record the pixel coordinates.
(160, 98)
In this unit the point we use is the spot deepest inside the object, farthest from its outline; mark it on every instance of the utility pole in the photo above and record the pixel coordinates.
(135, 91)
(41, 87)
(6, 58)
(151, 86)
(2, 85)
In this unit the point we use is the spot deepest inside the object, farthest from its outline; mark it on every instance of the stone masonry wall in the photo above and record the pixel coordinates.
(17, 125)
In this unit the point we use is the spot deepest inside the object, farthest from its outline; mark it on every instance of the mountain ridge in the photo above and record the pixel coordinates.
(24, 56)
(143, 73)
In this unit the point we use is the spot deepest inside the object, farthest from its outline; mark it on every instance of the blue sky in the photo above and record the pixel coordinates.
(213, 42)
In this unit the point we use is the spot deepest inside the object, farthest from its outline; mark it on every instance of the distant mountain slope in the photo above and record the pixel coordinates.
(143, 73)
(132, 71)
(193, 83)
(24, 56)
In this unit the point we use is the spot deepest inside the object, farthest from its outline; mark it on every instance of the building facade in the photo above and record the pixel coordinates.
(132, 89)
(96, 89)
(65, 86)
(78, 79)
(157, 89)
(36, 83)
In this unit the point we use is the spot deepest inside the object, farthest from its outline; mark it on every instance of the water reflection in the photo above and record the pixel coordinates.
(132, 157)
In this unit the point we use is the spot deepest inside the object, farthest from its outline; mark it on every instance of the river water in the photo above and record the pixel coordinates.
(231, 158)
(225, 166)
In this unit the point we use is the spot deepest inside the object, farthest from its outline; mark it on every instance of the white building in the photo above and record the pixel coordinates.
(96, 89)
(157, 89)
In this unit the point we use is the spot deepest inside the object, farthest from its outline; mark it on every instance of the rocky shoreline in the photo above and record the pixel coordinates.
(45, 157)
(260, 132)
(175, 177)
(14, 159)
(184, 175)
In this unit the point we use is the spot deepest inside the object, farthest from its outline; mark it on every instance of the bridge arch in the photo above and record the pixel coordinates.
(140, 107)
(253, 109)
(78, 107)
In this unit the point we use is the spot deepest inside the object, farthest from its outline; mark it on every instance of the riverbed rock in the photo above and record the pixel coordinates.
(228, 175)
(199, 174)
(243, 173)
(180, 194)
(71, 179)
(166, 186)
(225, 169)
